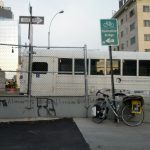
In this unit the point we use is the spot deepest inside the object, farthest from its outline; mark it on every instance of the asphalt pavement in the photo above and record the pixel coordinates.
(112, 136)
(61, 134)
(73, 134)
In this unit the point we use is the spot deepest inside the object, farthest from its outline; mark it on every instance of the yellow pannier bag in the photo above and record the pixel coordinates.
(136, 106)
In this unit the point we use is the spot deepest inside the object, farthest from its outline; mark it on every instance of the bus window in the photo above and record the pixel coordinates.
(79, 66)
(144, 67)
(129, 67)
(64, 66)
(97, 67)
(116, 67)
(40, 67)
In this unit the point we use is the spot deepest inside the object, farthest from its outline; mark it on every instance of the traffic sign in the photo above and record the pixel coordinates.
(109, 31)
(35, 20)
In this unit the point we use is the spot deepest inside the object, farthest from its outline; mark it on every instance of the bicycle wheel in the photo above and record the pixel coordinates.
(101, 112)
(131, 119)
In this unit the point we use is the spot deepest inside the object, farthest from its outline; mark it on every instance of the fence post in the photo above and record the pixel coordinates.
(86, 80)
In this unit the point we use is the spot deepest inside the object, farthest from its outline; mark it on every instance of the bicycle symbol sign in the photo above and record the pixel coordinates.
(109, 31)
(108, 24)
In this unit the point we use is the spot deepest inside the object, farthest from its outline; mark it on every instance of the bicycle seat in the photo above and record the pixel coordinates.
(120, 94)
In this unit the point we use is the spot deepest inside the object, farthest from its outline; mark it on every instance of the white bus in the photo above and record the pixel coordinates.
(60, 72)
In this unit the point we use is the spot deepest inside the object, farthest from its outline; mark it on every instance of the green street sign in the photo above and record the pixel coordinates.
(109, 32)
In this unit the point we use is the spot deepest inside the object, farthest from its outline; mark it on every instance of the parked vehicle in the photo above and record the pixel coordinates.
(60, 72)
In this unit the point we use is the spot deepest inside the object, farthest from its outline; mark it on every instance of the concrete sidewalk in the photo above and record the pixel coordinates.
(111, 136)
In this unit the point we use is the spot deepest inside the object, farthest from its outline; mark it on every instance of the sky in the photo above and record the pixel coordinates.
(77, 26)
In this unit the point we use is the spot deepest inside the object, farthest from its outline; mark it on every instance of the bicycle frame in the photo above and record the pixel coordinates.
(108, 101)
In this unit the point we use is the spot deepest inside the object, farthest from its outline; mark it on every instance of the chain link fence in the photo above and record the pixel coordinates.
(57, 71)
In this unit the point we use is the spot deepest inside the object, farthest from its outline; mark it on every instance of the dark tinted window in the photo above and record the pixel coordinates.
(64, 66)
(79, 66)
(132, 26)
(129, 68)
(132, 40)
(144, 68)
(132, 12)
(40, 67)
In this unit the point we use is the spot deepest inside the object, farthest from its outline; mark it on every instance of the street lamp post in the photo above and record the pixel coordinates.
(50, 26)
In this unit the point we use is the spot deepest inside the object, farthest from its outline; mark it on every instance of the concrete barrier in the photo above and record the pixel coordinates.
(21, 107)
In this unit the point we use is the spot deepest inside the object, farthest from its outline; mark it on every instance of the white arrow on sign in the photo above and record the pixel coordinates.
(37, 20)
(109, 40)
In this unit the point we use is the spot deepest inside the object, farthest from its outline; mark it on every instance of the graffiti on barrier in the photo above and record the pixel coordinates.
(3, 103)
(45, 106)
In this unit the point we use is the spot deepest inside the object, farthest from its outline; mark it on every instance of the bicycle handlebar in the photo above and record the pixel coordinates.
(99, 92)
(106, 95)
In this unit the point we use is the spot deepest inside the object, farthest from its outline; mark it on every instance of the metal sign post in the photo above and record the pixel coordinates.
(112, 75)
(109, 36)
(30, 20)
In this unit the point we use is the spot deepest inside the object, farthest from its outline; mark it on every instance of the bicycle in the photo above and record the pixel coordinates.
(131, 112)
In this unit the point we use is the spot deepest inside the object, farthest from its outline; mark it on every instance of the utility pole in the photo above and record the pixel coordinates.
(30, 37)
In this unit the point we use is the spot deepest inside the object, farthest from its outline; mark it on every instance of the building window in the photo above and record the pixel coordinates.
(40, 67)
(97, 66)
(146, 37)
(146, 8)
(118, 48)
(144, 67)
(126, 30)
(121, 21)
(64, 66)
(147, 50)
(146, 23)
(132, 26)
(79, 66)
(122, 46)
(132, 40)
(127, 43)
(121, 33)
(129, 67)
(116, 67)
(120, 3)
(131, 13)
(126, 17)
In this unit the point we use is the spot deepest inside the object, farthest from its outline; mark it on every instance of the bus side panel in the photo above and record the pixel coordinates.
(42, 84)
